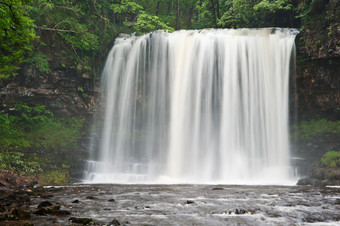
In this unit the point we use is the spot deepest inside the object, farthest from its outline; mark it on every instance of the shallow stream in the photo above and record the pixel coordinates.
(193, 204)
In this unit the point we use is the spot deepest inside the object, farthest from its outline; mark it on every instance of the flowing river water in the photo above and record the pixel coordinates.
(193, 204)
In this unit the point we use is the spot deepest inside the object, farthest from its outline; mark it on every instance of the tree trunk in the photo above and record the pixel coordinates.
(177, 16)
(158, 7)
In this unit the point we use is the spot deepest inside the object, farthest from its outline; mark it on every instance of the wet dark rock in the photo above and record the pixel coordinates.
(91, 197)
(41, 211)
(61, 213)
(189, 202)
(112, 200)
(52, 208)
(217, 189)
(81, 220)
(142, 207)
(308, 181)
(75, 201)
(337, 202)
(114, 222)
(44, 204)
(239, 211)
(20, 213)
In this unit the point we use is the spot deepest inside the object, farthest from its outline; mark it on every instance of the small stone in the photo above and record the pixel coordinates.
(75, 201)
(112, 200)
(190, 202)
(217, 189)
(240, 211)
(115, 222)
(90, 197)
(81, 220)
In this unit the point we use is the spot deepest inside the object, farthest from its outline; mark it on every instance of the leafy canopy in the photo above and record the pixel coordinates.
(16, 33)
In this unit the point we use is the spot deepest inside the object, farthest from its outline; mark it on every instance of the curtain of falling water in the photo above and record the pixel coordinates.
(207, 106)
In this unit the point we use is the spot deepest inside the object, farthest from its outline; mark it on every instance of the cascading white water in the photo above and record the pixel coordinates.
(207, 106)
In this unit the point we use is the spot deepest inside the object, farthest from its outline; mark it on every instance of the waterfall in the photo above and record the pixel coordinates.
(208, 106)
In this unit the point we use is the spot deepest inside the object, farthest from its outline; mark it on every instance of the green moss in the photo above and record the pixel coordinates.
(308, 130)
(54, 177)
(331, 159)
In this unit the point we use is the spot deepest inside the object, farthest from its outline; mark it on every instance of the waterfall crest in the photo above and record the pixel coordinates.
(207, 106)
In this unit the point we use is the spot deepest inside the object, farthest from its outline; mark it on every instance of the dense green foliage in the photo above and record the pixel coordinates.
(308, 130)
(32, 138)
(331, 159)
(83, 31)
(16, 33)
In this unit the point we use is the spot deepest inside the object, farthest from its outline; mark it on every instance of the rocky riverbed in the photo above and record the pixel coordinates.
(170, 205)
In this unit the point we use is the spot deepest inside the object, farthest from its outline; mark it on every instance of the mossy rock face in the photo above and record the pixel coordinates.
(309, 181)
(327, 173)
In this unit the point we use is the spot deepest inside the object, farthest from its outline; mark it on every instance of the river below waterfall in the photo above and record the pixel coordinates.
(192, 204)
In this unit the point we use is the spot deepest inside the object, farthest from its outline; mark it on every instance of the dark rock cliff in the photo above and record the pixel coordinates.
(318, 73)
(64, 92)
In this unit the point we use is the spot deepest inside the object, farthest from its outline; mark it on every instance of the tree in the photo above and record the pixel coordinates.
(16, 33)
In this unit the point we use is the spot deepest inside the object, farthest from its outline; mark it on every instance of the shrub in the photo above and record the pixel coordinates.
(331, 159)
(54, 177)
(17, 162)
(309, 129)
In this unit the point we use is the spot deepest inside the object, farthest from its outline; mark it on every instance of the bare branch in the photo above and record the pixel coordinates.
(67, 8)
(61, 22)
(58, 30)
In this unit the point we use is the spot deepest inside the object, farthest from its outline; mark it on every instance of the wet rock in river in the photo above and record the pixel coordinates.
(61, 213)
(75, 201)
(46, 209)
(337, 202)
(91, 197)
(114, 222)
(41, 211)
(81, 220)
(112, 200)
(44, 204)
(189, 202)
(217, 189)
(142, 207)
